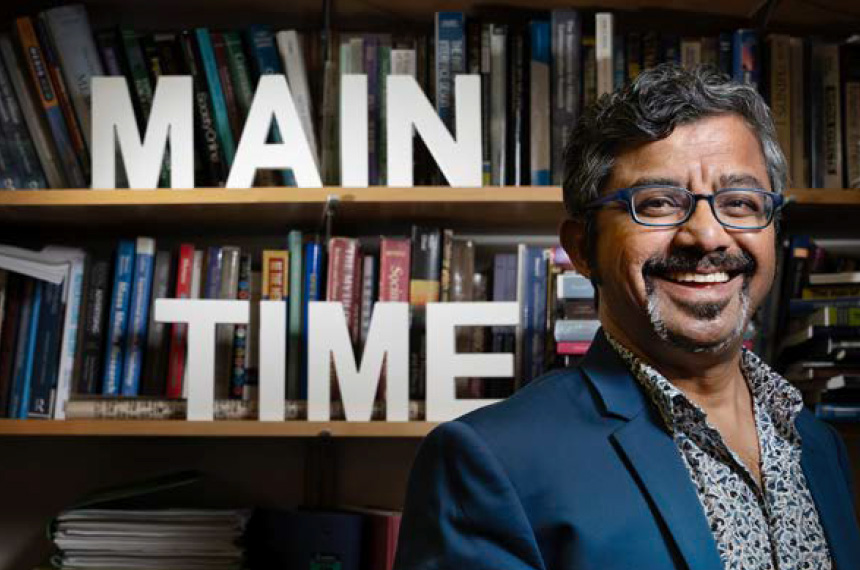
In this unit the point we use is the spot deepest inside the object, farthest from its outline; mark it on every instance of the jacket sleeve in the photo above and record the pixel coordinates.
(461, 510)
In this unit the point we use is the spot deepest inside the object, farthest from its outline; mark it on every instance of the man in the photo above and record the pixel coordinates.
(669, 446)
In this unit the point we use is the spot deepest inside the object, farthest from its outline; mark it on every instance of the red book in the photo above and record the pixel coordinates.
(394, 269)
(382, 529)
(573, 348)
(343, 272)
(179, 331)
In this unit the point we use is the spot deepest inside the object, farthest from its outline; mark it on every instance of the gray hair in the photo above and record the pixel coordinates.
(648, 110)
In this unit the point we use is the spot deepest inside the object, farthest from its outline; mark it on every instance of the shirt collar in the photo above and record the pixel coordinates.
(770, 391)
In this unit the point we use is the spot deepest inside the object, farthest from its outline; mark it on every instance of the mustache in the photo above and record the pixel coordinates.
(692, 260)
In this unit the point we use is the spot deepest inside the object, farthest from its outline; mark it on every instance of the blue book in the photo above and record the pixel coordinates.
(745, 60)
(118, 321)
(294, 322)
(214, 261)
(47, 351)
(239, 362)
(22, 338)
(537, 265)
(135, 339)
(23, 153)
(219, 106)
(264, 55)
(541, 174)
(23, 383)
(450, 61)
(312, 291)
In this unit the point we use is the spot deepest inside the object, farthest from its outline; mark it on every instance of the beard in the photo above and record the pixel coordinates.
(690, 261)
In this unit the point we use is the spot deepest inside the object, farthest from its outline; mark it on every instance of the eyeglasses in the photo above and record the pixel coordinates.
(658, 205)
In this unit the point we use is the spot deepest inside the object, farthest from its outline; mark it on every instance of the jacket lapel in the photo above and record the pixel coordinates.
(835, 505)
(653, 457)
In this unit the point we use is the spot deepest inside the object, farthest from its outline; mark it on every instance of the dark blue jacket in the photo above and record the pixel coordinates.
(575, 472)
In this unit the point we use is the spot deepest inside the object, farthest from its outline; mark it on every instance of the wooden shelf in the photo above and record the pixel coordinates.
(261, 210)
(824, 196)
(179, 428)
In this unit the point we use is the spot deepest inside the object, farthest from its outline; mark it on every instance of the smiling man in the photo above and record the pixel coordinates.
(670, 446)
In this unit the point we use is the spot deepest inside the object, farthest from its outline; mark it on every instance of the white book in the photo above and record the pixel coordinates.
(404, 62)
(498, 104)
(37, 128)
(69, 27)
(290, 49)
(604, 29)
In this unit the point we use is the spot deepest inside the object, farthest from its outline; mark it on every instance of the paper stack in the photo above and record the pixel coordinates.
(150, 539)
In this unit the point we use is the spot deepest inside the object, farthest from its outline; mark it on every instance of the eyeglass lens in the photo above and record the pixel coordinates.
(738, 208)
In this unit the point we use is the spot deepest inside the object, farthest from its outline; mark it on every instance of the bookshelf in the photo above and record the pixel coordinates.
(270, 463)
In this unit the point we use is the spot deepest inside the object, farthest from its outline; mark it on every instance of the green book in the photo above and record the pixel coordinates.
(294, 343)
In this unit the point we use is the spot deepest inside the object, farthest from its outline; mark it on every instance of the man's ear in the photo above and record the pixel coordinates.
(573, 234)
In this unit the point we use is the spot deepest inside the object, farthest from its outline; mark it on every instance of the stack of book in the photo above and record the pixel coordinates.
(819, 346)
(150, 539)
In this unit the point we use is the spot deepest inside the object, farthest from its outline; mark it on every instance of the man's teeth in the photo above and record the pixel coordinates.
(719, 277)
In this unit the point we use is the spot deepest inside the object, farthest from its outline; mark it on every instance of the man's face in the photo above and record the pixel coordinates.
(652, 279)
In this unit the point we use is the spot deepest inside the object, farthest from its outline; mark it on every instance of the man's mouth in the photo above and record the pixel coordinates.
(697, 278)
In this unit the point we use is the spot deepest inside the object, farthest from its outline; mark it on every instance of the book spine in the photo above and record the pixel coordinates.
(228, 289)
(68, 348)
(214, 263)
(76, 136)
(94, 328)
(295, 349)
(604, 34)
(780, 90)
(619, 62)
(179, 331)
(69, 27)
(46, 352)
(38, 132)
(371, 70)
(832, 108)
(566, 81)
(498, 104)
(264, 56)
(851, 75)
(138, 316)
(46, 96)
(518, 115)
(118, 324)
(394, 269)
(294, 64)
(138, 74)
(368, 294)
(424, 287)
(108, 48)
(589, 71)
(216, 93)
(445, 272)
(23, 153)
(18, 373)
(540, 103)
(382, 136)
(486, 102)
(725, 55)
(311, 291)
(152, 379)
(799, 164)
(219, 49)
(450, 39)
(276, 272)
(11, 320)
(240, 73)
(239, 361)
(342, 287)
(23, 383)
(745, 63)
(523, 355)
(207, 135)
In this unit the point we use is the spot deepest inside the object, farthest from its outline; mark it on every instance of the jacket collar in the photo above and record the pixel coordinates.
(618, 390)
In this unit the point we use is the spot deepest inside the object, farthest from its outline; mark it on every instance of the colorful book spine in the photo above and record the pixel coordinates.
(179, 331)
(276, 270)
(38, 132)
(22, 383)
(68, 349)
(118, 323)
(138, 74)
(18, 373)
(746, 66)
(311, 291)
(294, 324)
(44, 90)
(450, 61)
(343, 259)
(540, 124)
(368, 294)
(214, 264)
(216, 92)
(394, 269)
(239, 361)
(138, 317)
(95, 323)
(23, 153)
(219, 49)
(69, 27)
(46, 352)
(424, 287)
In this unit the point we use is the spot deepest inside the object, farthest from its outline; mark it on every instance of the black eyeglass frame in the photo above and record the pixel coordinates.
(625, 195)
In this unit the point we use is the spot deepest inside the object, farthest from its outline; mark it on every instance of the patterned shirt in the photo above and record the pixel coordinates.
(775, 527)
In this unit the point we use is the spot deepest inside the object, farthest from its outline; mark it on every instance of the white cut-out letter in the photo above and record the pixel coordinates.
(171, 119)
(354, 155)
(273, 359)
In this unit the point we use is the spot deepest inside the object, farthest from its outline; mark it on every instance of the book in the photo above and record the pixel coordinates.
(780, 90)
(539, 100)
(25, 356)
(342, 286)
(225, 333)
(13, 293)
(311, 291)
(179, 331)
(138, 315)
(94, 326)
(531, 296)
(293, 60)
(799, 165)
(117, 330)
(450, 61)
(46, 352)
(295, 348)
(239, 362)
(746, 66)
(830, 153)
(276, 268)
(153, 376)
(604, 24)
(498, 104)
(27, 172)
(850, 60)
(219, 49)
(70, 30)
(216, 94)
(566, 75)
(213, 266)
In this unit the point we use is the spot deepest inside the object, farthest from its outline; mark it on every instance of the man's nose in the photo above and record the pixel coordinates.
(703, 230)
